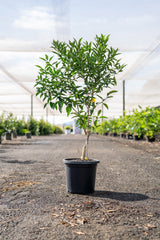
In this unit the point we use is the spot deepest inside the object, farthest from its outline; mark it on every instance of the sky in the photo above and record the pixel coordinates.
(29, 26)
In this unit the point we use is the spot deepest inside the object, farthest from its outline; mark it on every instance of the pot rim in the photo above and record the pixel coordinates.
(78, 161)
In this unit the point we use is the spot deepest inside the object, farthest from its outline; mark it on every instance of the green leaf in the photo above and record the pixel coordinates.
(68, 110)
(105, 105)
(43, 59)
(52, 105)
(91, 111)
(60, 105)
(100, 97)
(99, 112)
(109, 93)
(95, 123)
(50, 58)
(38, 66)
(45, 105)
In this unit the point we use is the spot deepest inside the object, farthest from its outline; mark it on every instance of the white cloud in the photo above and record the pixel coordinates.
(38, 18)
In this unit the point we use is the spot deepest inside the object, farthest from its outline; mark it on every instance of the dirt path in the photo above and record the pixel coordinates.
(34, 203)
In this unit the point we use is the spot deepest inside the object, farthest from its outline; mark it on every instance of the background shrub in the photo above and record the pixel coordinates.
(45, 128)
(58, 130)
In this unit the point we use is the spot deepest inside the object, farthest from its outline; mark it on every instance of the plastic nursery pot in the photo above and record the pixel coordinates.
(14, 134)
(123, 135)
(130, 136)
(151, 139)
(137, 138)
(28, 135)
(80, 175)
(106, 134)
(8, 136)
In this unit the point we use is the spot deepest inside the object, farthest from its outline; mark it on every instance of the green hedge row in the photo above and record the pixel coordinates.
(140, 122)
(9, 123)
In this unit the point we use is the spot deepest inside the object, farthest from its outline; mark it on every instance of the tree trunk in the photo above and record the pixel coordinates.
(87, 132)
(85, 148)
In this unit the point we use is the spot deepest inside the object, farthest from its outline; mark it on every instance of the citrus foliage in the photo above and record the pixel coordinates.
(9, 123)
(76, 74)
(140, 122)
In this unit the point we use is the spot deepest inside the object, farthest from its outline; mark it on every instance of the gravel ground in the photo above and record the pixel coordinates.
(34, 203)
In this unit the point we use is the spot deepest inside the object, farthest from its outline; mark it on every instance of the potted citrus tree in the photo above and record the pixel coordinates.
(67, 129)
(10, 125)
(152, 122)
(72, 79)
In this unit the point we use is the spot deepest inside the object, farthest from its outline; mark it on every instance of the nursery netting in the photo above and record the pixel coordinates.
(28, 28)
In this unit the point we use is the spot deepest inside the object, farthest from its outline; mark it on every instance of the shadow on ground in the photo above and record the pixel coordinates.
(17, 161)
(2, 151)
(121, 196)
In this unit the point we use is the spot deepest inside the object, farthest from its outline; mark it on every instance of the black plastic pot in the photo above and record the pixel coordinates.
(80, 175)
(106, 134)
(14, 134)
(123, 135)
(115, 134)
(137, 138)
(28, 135)
(151, 139)
(8, 136)
(129, 136)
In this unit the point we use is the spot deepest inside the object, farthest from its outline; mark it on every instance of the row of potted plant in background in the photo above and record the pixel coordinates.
(139, 124)
(10, 125)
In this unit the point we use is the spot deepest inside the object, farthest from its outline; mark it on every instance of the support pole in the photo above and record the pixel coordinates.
(31, 105)
(102, 112)
(46, 114)
(124, 98)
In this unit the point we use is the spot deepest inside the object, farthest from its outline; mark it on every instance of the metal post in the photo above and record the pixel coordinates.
(32, 105)
(46, 114)
(123, 98)
(102, 111)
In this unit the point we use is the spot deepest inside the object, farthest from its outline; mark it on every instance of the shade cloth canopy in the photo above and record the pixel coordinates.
(28, 28)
